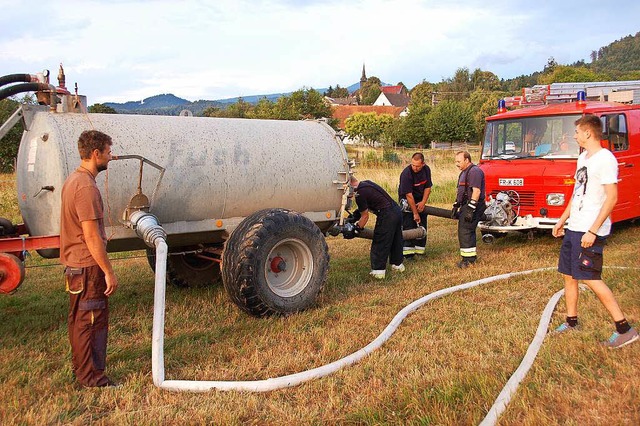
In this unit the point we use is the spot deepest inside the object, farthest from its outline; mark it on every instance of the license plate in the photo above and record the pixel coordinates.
(511, 182)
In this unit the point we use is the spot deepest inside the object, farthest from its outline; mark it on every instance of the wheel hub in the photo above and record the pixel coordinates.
(278, 265)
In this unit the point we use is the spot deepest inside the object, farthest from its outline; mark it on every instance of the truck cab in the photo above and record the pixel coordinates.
(529, 159)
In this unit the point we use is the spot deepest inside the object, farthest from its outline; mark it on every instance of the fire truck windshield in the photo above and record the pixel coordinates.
(531, 137)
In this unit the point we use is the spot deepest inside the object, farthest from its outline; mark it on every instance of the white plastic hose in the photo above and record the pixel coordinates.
(266, 385)
(291, 379)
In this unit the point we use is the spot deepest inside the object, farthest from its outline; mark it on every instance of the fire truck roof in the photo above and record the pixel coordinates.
(584, 107)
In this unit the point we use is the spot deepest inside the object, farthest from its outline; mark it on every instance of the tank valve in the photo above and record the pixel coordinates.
(147, 227)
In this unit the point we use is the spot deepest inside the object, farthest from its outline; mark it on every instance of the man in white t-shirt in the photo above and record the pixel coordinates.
(594, 195)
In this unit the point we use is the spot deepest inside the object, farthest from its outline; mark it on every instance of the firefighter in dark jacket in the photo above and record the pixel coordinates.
(413, 193)
(469, 206)
(387, 234)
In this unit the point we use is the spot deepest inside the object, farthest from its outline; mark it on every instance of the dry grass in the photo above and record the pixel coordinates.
(445, 365)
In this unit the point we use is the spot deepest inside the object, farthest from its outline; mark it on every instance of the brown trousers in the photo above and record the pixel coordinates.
(88, 323)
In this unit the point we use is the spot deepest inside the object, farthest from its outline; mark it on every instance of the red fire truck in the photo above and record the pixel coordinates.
(529, 154)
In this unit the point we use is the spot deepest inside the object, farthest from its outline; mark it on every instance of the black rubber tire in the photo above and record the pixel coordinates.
(247, 274)
(187, 270)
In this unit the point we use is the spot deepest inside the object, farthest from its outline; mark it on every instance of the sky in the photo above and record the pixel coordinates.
(128, 50)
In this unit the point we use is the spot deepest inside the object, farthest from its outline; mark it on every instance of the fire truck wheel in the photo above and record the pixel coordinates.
(275, 262)
(188, 269)
(11, 273)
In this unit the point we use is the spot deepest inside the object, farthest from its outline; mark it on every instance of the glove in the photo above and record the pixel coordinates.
(471, 209)
(454, 210)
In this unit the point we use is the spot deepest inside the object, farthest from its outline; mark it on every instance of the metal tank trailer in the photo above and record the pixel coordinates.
(247, 201)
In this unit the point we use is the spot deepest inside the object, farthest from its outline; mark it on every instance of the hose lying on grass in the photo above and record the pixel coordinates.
(266, 385)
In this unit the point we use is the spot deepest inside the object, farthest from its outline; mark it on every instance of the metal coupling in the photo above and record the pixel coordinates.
(147, 227)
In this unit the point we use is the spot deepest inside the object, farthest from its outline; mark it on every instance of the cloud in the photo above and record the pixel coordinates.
(133, 49)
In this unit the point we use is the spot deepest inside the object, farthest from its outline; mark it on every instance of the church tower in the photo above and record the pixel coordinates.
(363, 79)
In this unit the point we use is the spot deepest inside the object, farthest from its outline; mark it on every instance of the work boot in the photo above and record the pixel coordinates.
(378, 274)
(465, 263)
(399, 268)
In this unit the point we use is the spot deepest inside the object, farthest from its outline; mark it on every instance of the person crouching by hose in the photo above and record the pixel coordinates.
(387, 234)
(469, 206)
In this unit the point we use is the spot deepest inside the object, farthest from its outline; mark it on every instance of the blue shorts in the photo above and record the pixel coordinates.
(581, 263)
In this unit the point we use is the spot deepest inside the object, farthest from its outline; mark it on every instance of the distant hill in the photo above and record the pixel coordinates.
(169, 104)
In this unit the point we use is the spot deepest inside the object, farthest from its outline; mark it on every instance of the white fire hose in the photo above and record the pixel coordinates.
(157, 345)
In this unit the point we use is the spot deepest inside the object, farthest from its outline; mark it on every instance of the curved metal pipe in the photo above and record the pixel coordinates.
(30, 87)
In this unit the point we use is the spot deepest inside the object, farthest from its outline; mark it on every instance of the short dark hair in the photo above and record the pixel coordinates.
(90, 140)
(592, 122)
(418, 156)
(465, 154)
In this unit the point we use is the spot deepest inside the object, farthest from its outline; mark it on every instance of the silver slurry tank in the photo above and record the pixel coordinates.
(217, 171)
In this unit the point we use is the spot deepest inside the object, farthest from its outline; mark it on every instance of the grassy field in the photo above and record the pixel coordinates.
(446, 363)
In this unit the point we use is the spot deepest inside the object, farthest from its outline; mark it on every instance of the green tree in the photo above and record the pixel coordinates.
(302, 104)
(211, 111)
(422, 93)
(102, 108)
(485, 80)
(566, 74)
(264, 109)
(457, 87)
(451, 121)
(338, 92)
(369, 91)
(10, 143)
(483, 104)
(236, 110)
(367, 126)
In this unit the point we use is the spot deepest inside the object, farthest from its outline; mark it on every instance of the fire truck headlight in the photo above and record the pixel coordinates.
(555, 199)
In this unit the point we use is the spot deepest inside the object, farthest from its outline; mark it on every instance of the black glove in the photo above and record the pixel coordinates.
(454, 210)
(471, 209)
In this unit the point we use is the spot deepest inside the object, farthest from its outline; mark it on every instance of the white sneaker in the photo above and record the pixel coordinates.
(399, 268)
(378, 274)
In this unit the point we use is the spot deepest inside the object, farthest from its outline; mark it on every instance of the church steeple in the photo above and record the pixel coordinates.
(363, 79)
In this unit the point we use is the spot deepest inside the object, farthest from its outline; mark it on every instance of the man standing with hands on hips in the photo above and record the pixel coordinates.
(594, 195)
(469, 206)
(89, 276)
(413, 193)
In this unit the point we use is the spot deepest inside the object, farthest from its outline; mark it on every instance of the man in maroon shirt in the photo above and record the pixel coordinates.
(89, 276)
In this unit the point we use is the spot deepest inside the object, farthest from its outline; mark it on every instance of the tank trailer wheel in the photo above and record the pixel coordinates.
(11, 273)
(275, 262)
(189, 269)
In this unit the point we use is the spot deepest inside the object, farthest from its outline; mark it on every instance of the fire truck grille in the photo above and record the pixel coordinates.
(527, 198)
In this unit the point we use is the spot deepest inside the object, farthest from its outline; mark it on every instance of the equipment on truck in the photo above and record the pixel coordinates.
(531, 152)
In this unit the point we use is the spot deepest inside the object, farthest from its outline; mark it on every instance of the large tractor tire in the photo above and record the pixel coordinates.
(188, 269)
(275, 262)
